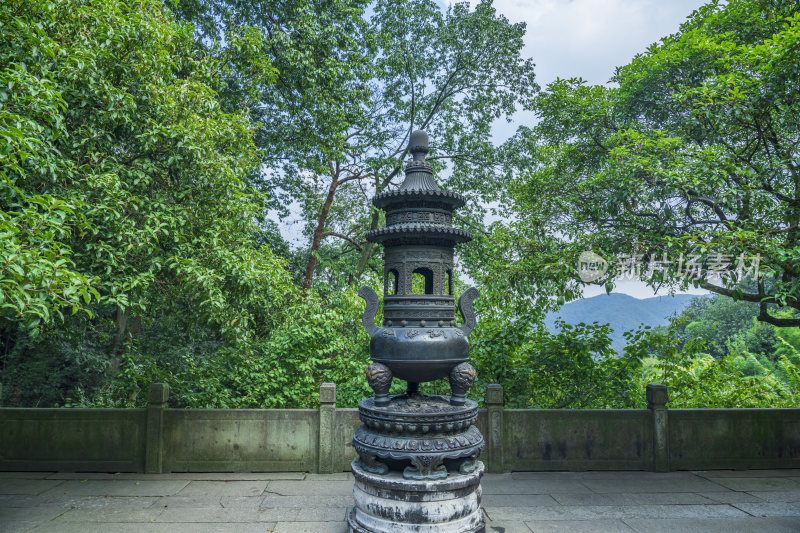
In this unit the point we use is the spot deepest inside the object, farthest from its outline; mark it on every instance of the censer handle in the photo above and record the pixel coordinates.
(368, 318)
(465, 308)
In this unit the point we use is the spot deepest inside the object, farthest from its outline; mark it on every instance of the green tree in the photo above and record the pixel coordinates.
(719, 318)
(124, 187)
(575, 367)
(690, 159)
(451, 73)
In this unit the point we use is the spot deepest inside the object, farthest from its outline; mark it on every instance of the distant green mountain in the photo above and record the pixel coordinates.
(621, 312)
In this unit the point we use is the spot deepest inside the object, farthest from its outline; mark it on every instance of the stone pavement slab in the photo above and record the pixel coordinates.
(310, 488)
(128, 487)
(747, 525)
(601, 512)
(748, 484)
(310, 527)
(506, 484)
(27, 486)
(730, 496)
(579, 526)
(634, 498)
(150, 528)
(110, 515)
(770, 509)
(785, 472)
(507, 527)
(650, 485)
(777, 496)
(191, 476)
(334, 500)
(520, 502)
(223, 488)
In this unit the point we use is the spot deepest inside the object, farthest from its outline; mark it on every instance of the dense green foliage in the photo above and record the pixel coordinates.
(689, 162)
(123, 185)
(742, 363)
(144, 143)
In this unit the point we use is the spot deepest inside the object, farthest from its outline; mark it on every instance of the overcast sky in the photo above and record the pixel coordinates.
(588, 38)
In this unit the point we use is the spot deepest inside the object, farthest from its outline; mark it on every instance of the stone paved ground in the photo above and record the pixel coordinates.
(596, 502)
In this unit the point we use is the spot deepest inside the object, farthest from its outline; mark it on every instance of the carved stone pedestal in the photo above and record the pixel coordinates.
(392, 504)
(422, 436)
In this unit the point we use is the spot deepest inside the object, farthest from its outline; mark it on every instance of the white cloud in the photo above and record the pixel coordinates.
(589, 38)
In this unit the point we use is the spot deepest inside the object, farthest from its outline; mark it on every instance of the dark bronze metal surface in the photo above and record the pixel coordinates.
(425, 437)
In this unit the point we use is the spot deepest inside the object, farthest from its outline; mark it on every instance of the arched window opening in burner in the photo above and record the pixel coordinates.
(448, 278)
(422, 281)
(391, 282)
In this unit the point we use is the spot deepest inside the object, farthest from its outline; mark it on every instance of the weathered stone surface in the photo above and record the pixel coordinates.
(107, 440)
(774, 496)
(319, 504)
(507, 527)
(100, 527)
(310, 527)
(26, 486)
(731, 496)
(227, 516)
(633, 498)
(604, 512)
(770, 508)
(577, 440)
(734, 438)
(240, 439)
(113, 515)
(647, 485)
(24, 475)
(190, 476)
(715, 525)
(31, 515)
(579, 526)
(310, 488)
(85, 440)
(223, 488)
(320, 500)
(390, 503)
(505, 484)
(518, 500)
(117, 488)
(767, 472)
(758, 483)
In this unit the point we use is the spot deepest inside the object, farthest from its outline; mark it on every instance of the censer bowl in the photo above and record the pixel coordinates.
(419, 354)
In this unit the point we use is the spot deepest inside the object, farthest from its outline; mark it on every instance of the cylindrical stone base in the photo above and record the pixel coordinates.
(392, 504)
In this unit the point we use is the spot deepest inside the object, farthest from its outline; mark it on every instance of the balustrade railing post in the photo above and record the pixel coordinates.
(327, 430)
(157, 398)
(494, 437)
(656, 401)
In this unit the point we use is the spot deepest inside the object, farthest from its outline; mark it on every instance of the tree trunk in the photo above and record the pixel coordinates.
(122, 323)
(317, 239)
(367, 251)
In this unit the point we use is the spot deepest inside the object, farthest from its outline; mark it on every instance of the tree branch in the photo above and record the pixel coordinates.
(748, 297)
(764, 316)
(341, 236)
